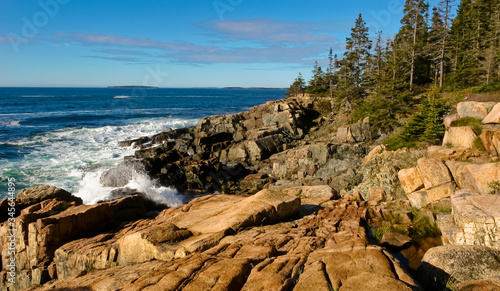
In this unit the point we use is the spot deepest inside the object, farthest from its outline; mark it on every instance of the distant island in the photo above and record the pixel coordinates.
(132, 87)
(255, 88)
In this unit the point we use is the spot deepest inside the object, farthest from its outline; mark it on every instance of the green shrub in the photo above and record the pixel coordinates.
(423, 226)
(58, 209)
(475, 123)
(442, 209)
(494, 186)
(380, 110)
(426, 125)
(491, 87)
(478, 145)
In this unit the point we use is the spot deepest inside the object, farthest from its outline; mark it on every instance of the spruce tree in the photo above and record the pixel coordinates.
(297, 87)
(317, 84)
(355, 62)
(410, 41)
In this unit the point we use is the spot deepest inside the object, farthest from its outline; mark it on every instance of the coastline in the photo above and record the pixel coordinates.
(305, 193)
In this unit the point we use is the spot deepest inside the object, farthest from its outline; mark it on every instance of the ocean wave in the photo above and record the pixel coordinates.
(66, 157)
(92, 191)
(10, 123)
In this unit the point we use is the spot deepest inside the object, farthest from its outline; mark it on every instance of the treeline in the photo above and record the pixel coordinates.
(431, 48)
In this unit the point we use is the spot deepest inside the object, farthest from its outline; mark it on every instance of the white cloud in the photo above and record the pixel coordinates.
(270, 30)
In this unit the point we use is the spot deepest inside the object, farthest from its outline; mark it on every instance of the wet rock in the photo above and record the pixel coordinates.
(121, 175)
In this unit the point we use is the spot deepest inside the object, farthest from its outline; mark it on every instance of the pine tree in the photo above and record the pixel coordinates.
(355, 62)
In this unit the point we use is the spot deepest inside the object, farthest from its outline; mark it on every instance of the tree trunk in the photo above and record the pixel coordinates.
(413, 53)
(443, 47)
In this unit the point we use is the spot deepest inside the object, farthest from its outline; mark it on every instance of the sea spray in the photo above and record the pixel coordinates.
(92, 191)
(73, 158)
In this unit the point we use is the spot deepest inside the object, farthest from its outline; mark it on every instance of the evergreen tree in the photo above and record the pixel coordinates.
(474, 39)
(410, 41)
(297, 87)
(317, 84)
(355, 62)
(445, 4)
(435, 41)
(330, 77)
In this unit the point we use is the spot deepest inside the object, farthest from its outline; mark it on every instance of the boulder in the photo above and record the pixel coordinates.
(440, 192)
(474, 109)
(313, 194)
(120, 175)
(458, 264)
(433, 172)
(445, 154)
(480, 176)
(493, 116)
(463, 137)
(418, 199)
(410, 180)
(45, 226)
(39, 193)
(477, 218)
(265, 206)
(395, 241)
(460, 173)
(448, 119)
(254, 182)
(489, 284)
(491, 141)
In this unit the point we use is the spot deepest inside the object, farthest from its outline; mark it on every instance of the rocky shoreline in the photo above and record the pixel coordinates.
(307, 202)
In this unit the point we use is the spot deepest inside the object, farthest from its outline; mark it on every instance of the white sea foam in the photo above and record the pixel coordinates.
(92, 191)
(10, 123)
(74, 159)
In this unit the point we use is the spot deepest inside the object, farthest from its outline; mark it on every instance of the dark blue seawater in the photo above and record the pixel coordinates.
(67, 137)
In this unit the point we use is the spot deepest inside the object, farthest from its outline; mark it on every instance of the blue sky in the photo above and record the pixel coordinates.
(177, 43)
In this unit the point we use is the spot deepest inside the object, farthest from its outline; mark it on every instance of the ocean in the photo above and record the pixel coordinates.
(67, 137)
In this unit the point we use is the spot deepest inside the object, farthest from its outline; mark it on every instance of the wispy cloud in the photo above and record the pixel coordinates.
(120, 59)
(3, 39)
(270, 30)
(236, 41)
(115, 40)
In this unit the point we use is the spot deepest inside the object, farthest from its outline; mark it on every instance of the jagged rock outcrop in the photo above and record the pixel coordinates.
(47, 224)
(476, 219)
(220, 150)
(330, 247)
